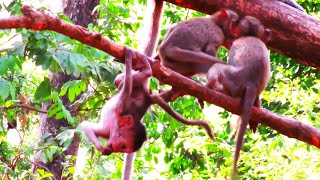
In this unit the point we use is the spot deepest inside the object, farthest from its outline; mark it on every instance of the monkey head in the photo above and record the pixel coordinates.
(250, 26)
(224, 17)
(127, 136)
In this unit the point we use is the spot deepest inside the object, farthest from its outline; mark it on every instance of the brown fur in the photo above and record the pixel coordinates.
(121, 115)
(247, 73)
(190, 46)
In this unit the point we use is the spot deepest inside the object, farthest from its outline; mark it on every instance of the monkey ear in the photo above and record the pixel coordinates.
(223, 15)
(266, 36)
(126, 122)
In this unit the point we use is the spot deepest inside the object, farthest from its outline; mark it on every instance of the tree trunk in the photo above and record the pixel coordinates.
(294, 33)
(80, 12)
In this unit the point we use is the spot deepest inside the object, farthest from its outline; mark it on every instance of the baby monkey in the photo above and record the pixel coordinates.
(247, 73)
(190, 47)
(121, 115)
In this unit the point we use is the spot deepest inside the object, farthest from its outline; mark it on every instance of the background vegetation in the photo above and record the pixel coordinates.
(173, 151)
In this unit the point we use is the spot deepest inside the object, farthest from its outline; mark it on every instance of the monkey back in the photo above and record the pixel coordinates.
(194, 34)
(252, 55)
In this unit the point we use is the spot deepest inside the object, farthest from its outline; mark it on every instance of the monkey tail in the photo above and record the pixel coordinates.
(165, 106)
(247, 104)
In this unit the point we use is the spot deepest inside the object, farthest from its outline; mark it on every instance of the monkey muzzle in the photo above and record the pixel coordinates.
(107, 151)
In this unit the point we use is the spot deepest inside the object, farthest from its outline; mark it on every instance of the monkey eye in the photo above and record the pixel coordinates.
(123, 147)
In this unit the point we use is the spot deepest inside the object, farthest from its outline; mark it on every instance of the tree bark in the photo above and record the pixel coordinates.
(52, 126)
(80, 12)
(294, 33)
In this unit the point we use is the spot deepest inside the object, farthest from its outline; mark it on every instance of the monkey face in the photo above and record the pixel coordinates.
(122, 140)
(122, 136)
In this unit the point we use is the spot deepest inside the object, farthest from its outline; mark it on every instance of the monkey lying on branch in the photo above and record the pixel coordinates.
(246, 75)
(190, 47)
(121, 116)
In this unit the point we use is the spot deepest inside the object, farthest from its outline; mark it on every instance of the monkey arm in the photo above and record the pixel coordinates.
(254, 124)
(93, 131)
(183, 55)
(125, 93)
(156, 99)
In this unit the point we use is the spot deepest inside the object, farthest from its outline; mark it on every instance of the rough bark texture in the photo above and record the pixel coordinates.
(80, 13)
(294, 33)
(52, 126)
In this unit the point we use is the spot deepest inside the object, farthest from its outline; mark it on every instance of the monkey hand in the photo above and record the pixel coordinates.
(140, 62)
(201, 103)
(253, 125)
(106, 151)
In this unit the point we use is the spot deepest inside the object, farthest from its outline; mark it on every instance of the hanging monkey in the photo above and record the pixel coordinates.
(151, 27)
(247, 73)
(190, 47)
(121, 116)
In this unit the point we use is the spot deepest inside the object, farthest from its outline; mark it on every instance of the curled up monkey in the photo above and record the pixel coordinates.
(190, 46)
(121, 116)
(246, 75)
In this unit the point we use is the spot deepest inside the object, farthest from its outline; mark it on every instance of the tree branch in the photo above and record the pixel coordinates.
(43, 21)
(24, 106)
(294, 33)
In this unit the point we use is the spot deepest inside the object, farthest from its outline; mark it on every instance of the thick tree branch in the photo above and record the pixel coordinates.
(294, 33)
(42, 21)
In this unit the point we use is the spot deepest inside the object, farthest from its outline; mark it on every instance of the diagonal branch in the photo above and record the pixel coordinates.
(43, 21)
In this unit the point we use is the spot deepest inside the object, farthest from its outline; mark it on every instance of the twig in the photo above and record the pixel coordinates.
(26, 107)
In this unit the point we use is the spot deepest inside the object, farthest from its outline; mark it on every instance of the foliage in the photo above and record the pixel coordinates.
(173, 151)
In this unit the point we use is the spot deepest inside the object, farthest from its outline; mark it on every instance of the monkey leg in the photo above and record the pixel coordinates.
(253, 124)
(182, 55)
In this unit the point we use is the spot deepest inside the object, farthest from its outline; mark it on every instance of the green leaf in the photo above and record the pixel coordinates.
(3, 66)
(68, 116)
(44, 89)
(65, 138)
(53, 111)
(11, 63)
(9, 103)
(4, 89)
(60, 115)
(71, 95)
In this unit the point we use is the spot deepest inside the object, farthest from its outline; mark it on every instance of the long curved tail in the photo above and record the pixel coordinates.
(247, 104)
(165, 106)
